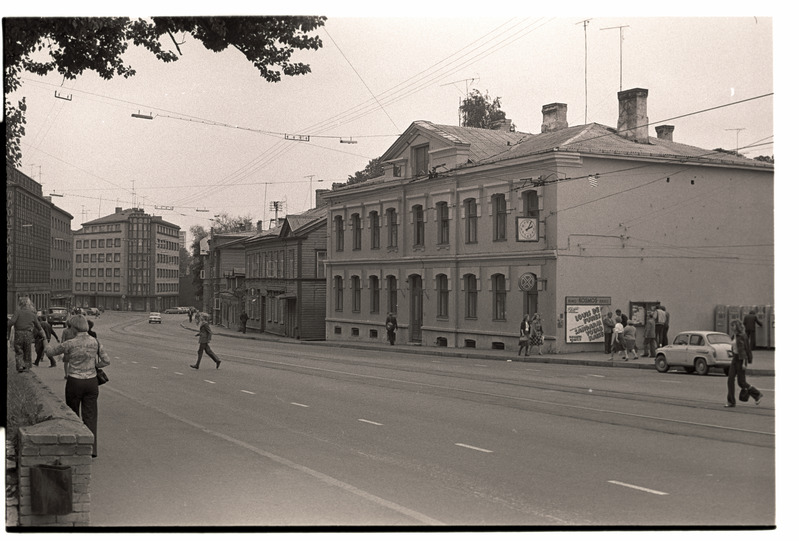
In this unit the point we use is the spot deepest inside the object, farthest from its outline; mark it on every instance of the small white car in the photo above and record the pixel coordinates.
(155, 317)
(696, 351)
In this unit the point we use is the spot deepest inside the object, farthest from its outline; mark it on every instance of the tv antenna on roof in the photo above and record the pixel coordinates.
(585, 22)
(621, 38)
(460, 101)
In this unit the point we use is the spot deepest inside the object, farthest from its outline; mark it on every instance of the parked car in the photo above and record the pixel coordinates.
(93, 312)
(155, 317)
(175, 310)
(696, 351)
(57, 315)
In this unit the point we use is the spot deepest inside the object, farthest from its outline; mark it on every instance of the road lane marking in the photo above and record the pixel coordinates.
(209, 381)
(636, 487)
(248, 392)
(327, 479)
(481, 365)
(474, 448)
(154, 367)
(596, 376)
(300, 405)
(179, 373)
(135, 362)
(370, 422)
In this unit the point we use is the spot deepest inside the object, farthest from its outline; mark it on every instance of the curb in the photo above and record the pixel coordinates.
(447, 352)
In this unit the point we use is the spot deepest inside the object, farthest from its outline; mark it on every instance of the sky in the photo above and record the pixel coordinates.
(217, 142)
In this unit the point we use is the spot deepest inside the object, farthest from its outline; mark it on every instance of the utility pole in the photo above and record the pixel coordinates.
(310, 184)
(460, 101)
(621, 38)
(585, 33)
(737, 133)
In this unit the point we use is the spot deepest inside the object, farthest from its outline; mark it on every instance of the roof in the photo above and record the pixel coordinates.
(298, 222)
(123, 216)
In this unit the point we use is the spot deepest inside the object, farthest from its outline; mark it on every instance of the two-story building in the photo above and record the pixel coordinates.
(286, 286)
(470, 229)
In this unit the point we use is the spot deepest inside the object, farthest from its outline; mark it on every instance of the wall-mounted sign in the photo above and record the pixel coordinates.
(584, 319)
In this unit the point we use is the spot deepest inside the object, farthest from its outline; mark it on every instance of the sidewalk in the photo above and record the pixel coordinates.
(762, 365)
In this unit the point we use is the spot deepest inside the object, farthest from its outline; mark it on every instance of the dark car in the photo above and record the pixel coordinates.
(57, 315)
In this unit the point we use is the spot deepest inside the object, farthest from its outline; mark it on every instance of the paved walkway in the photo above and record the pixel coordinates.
(763, 359)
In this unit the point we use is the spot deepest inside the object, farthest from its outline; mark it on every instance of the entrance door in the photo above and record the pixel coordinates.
(415, 319)
(291, 318)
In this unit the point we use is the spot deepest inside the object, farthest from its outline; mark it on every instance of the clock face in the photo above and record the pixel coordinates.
(526, 229)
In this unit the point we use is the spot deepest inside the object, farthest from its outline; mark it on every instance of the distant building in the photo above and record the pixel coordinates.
(285, 277)
(469, 229)
(37, 265)
(127, 261)
(223, 277)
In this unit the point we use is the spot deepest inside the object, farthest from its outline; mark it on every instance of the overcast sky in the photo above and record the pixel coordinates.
(217, 140)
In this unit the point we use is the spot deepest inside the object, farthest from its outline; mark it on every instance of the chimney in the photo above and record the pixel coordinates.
(505, 124)
(118, 210)
(259, 226)
(665, 132)
(554, 117)
(633, 122)
(320, 202)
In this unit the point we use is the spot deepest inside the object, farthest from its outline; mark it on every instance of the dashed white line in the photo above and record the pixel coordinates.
(636, 487)
(474, 448)
(154, 367)
(300, 405)
(209, 381)
(481, 365)
(179, 373)
(596, 376)
(248, 392)
(370, 422)
(135, 362)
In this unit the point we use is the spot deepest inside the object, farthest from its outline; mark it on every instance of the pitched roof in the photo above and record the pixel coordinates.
(299, 221)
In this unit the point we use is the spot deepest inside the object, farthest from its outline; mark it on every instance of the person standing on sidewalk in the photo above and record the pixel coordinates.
(538, 333)
(660, 319)
(650, 339)
(629, 340)
(83, 354)
(608, 324)
(391, 327)
(666, 318)
(243, 318)
(25, 325)
(525, 332)
(741, 356)
(205, 337)
(42, 342)
(750, 325)
(618, 340)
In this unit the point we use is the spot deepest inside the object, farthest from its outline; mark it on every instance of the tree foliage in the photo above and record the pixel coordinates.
(72, 45)
(373, 169)
(480, 111)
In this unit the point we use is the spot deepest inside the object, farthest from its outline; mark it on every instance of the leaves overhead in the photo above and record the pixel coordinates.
(72, 45)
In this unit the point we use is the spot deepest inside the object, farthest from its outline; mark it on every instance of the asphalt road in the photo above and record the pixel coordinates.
(304, 435)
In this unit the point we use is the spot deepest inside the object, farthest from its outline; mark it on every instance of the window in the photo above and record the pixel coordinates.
(77, 244)
(356, 231)
(77, 286)
(442, 214)
(500, 216)
(374, 294)
(77, 258)
(116, 258)
(391, 218)
(321, 256)
(338, 288)
(470, 289)
(101, 243)
(470, 212)
(356, 293)
(78, 273)
(418, 225)
(94, 243)
(338, 222)
(391, 293)
(530, 201)
(101, 258)
(94, 258)
(443, 295)
(374, 224)
(499, 293)
(420, 160)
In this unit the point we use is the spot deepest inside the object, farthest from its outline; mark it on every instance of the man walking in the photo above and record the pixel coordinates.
(25, 324)
(243, 318)
(42, 342)
(205, 337)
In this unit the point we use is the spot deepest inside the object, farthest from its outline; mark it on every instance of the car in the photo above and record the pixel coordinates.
(175, 310)
(696, 351)
(57, 315)
(155, 317)
(93, 312)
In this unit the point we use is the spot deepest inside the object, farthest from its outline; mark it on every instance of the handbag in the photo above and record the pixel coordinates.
(524, 340)
(101, 376)
(744, 395)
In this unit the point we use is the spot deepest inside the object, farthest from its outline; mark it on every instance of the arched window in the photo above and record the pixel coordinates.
(442, 287)
(500, 208)
(374, 225)
(338, 291)
(338, 229)
(499, 296)
(374, 294)
(391, 220)
(470, 292)
(391, 293)
(470, 213)
(356, 293)
(442, 216)
(356, 231)
(418, 225)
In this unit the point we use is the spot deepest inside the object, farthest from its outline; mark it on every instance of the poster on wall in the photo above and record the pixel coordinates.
(584, 319)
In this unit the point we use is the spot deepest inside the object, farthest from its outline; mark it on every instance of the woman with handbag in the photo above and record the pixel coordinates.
(741, 356)
(524, 335)
(537, 336)
(83, 355)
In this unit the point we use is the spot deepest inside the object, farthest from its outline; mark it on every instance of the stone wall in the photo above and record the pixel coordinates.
(60, 439)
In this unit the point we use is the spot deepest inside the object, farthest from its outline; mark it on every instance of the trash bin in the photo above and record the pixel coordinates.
(51, 490)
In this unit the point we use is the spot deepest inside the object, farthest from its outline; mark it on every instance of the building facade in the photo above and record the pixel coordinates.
(223, 278)
(37, 266)
(285, 277)
(469, 229)
(128, 260)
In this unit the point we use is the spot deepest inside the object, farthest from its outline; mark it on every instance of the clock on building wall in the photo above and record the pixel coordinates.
(526, 228)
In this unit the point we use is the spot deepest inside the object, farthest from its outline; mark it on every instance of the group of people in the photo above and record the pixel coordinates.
(619, 336)
(82, 354)
(531, 333)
